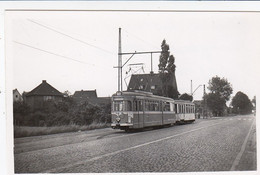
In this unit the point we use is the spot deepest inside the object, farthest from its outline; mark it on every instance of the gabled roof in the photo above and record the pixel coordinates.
(16, 90)
(85, 94)
(144, 79)
(44, 89)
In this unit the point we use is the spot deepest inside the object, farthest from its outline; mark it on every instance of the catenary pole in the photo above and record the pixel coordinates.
(119, 62)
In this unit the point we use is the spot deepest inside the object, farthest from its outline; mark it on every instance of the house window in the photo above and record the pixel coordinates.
(153, 87)
(142, 87)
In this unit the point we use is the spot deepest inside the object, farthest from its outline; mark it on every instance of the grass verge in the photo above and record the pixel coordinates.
(26, 131)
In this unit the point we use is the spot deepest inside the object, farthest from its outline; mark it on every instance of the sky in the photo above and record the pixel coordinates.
(77, 50)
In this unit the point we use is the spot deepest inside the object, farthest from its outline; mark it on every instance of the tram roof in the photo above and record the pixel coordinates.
(147, 94)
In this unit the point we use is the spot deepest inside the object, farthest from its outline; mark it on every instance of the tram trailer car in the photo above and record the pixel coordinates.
(138, 109)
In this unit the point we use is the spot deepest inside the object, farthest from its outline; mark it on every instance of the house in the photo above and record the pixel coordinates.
(41, 94)
(17, 97)
(91, 97)
(149, 83)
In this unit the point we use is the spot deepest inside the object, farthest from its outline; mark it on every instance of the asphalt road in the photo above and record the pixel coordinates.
(216, 144)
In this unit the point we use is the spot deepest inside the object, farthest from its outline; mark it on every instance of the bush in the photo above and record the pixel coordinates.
(25, 131)
(62, 113)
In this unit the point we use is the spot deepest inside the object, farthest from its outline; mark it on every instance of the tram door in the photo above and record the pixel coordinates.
(140, 108)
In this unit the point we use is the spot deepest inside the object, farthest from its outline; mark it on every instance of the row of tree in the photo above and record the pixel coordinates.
(220, 89)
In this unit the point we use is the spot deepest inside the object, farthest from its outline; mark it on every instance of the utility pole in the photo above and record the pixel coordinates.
(120, 65)
(119, 62)
(205, 102)
(151, 63)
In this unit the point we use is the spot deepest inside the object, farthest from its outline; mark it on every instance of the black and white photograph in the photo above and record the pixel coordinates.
(132, 88)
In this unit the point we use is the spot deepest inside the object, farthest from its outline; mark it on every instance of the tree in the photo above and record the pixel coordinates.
(241, 103)
(21, 111)
(220, 91)
(186, 96)
(164, 56)
(167, 72)
(254, 101)
(215, 103)
(221, 87)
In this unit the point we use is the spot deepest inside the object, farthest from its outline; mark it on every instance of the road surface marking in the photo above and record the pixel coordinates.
(71, 144)
(123, 150)
(239, 155)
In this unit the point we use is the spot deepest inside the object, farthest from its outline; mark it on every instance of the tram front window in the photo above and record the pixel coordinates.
(122, 106)
(118, 105)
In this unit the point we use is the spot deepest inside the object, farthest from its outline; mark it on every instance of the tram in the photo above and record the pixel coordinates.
(138, 109)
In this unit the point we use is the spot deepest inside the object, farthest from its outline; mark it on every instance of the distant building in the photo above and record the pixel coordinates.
(41, 94)
(88, 94)
(91, 97)
(149, 83)
(17, 97)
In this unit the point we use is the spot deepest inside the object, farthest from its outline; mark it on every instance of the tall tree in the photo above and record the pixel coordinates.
(220, 91)
(220, 86)
(164, 57)
(241, 103)
(167, 72)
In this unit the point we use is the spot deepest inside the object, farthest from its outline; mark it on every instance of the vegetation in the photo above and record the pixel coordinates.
(167, 72)
(221, 87)
(66, 115)
(26, 131)
(186, 96)
(215, 103)
(254, 102)
(241, 103)
(220, 92)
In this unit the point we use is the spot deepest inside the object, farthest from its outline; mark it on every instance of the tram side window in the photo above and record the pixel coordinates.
(175, 108)
(154, 106)
(135, 106)
(146, 106)
(166, 106)
(140, 105)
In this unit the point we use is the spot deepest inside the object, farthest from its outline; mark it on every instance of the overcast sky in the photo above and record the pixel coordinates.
(78, 50)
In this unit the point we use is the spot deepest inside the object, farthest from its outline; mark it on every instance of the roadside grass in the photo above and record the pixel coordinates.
(27, 131)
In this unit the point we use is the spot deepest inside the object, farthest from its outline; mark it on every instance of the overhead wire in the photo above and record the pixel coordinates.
(42, 50)
(64, 34)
